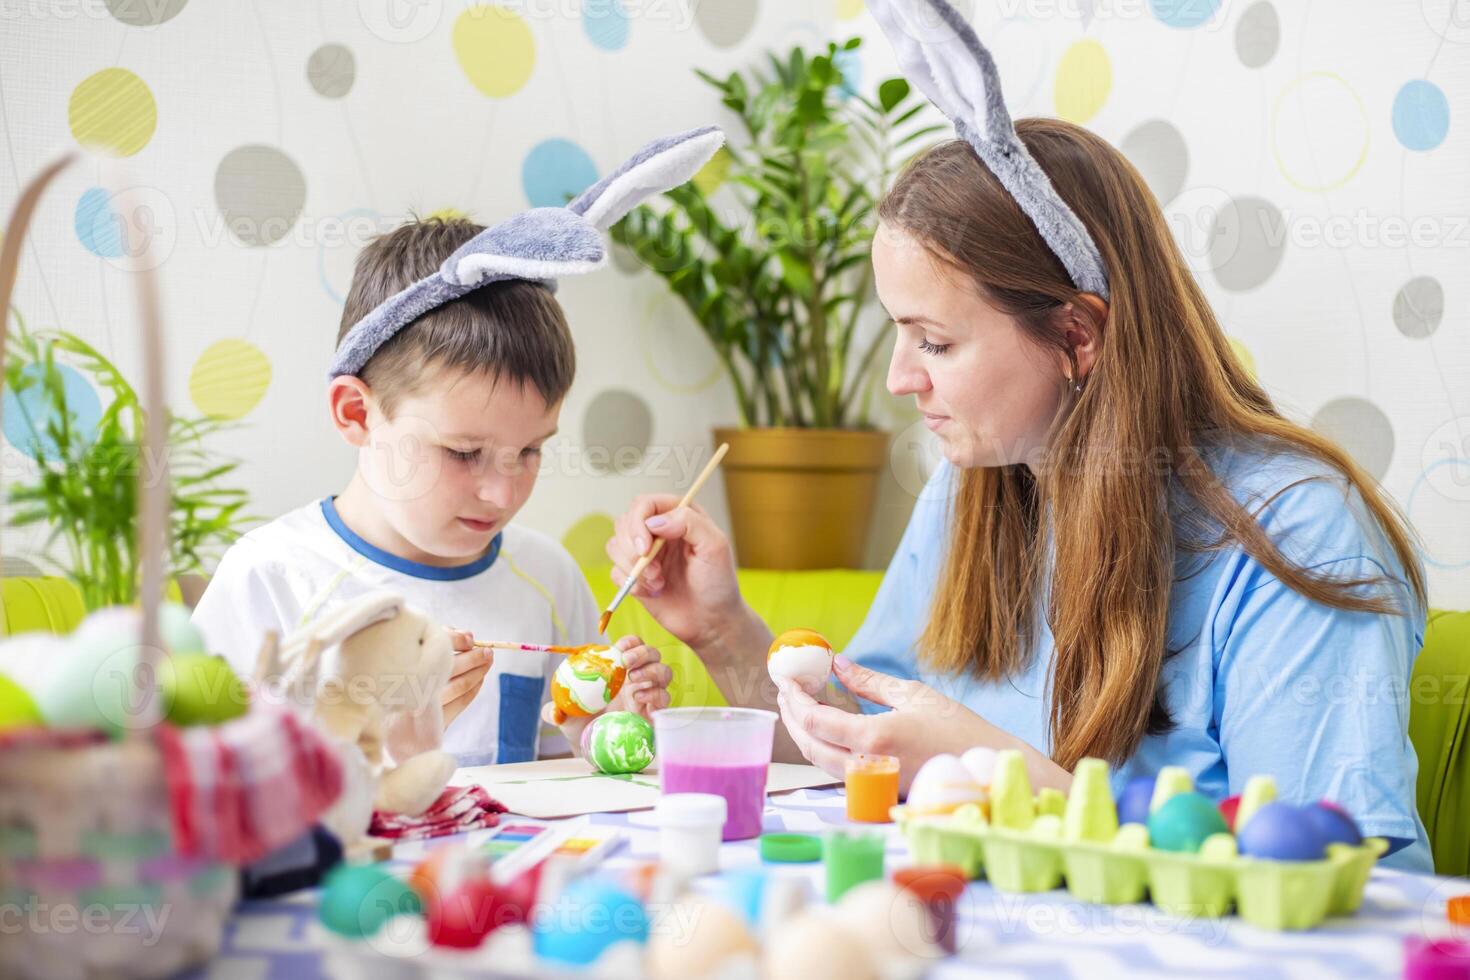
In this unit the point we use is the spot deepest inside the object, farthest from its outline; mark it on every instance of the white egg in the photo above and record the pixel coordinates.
(808, 666)
(981, 763)
(942, 785)
(818, 945)
(700, 939)
(893, 924)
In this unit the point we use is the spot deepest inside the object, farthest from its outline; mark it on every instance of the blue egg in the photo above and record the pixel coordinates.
(1134, 800)
(587, 918)
(1282, 832)
(1335, 826)
(1183, 822)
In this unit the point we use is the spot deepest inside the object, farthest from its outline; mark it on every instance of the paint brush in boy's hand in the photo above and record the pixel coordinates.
(658, 543)
(531, 647)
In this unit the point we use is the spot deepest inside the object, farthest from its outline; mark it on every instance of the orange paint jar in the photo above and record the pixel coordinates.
(872, 788)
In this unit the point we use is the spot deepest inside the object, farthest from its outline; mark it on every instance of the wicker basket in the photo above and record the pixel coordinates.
(91, 884)
(88, 871)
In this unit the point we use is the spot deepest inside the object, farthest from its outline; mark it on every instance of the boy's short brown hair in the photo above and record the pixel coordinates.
(513, 330)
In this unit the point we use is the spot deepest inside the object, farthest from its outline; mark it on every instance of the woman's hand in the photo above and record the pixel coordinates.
(690, 587)
(467, 676)
(646, 688)
(922, 724)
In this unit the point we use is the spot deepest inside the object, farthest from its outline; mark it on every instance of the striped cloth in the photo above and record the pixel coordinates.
(458, 809)
(242, 789)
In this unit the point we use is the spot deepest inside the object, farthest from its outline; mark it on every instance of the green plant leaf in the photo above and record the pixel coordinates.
(891, 92)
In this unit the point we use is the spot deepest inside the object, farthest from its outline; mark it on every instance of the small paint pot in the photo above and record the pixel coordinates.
(690, 827)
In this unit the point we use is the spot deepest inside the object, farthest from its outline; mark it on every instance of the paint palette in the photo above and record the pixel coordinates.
(586, 845)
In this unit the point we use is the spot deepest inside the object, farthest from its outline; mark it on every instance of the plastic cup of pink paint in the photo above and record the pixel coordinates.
(725, 751)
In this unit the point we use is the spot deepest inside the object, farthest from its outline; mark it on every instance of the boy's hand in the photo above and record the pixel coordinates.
(471, 664)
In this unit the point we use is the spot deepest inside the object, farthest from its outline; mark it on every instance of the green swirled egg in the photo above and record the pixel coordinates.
(618, 742)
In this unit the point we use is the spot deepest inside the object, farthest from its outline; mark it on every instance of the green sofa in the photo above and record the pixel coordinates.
(835, 603)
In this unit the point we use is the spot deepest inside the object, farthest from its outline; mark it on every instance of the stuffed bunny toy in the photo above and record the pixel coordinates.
(370, 674)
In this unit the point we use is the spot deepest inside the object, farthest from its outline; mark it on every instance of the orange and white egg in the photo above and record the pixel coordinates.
(586, 682)
(803, 656)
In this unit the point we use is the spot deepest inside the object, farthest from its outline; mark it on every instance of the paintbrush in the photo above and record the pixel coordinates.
(532, 647)
(658, 543)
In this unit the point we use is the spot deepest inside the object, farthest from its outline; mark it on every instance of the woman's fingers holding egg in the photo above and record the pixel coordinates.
(827, 757)
(822, 722)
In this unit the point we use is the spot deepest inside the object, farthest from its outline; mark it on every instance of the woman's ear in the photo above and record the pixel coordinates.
(1082, 324)
(349, 400)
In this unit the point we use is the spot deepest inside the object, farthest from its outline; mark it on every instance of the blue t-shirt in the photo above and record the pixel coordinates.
(1264, 680)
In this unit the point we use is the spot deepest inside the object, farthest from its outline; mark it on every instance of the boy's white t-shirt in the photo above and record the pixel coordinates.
(526, 588)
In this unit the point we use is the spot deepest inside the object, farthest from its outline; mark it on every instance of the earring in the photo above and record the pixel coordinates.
(1074, 383)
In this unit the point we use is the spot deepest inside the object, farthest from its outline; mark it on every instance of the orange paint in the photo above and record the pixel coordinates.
(872, 788)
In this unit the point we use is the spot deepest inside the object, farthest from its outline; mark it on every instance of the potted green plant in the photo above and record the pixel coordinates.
(781, 284)
(86, 481)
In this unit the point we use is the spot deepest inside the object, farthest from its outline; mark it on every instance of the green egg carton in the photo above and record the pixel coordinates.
(1024, 861)
(1026, 845)
(956, 839)
(1292, 895)
(1193, 885)
(1112, 873)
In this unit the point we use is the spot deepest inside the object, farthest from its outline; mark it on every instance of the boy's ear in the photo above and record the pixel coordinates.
(349, 400)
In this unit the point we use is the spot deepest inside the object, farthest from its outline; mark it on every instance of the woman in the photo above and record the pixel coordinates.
(1128, 553)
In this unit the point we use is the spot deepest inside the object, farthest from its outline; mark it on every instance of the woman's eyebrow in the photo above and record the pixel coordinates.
(918, 320)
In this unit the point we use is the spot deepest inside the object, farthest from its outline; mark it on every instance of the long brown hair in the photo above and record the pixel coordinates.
(1165, 385)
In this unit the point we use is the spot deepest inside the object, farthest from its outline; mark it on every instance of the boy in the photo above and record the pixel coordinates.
(453, 361)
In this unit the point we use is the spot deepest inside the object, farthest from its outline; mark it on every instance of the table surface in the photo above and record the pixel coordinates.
(1002, 935)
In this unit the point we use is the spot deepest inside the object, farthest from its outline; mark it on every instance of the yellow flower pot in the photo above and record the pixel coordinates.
(801, 498)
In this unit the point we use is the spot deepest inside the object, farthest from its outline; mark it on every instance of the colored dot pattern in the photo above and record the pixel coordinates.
(606, 23)
(229, 379)
(28, 415)
(495, 48)
(555, 171)
(112, 111)
(1421, 115)
(1335, 137)
(1084, 79)
(260, 191)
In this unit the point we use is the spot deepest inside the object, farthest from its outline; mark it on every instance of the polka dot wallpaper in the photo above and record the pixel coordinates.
(1310, 159)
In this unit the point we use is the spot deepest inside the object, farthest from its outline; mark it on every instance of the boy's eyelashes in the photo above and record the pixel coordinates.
(470, 455)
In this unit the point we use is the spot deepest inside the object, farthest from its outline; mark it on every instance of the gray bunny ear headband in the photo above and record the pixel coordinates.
(538, 245)
(940, 54)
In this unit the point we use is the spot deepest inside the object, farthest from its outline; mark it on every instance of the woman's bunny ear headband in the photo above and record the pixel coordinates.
(939, 53)
(538, 245)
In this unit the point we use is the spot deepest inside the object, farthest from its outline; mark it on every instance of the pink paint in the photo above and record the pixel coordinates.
(743, 787)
